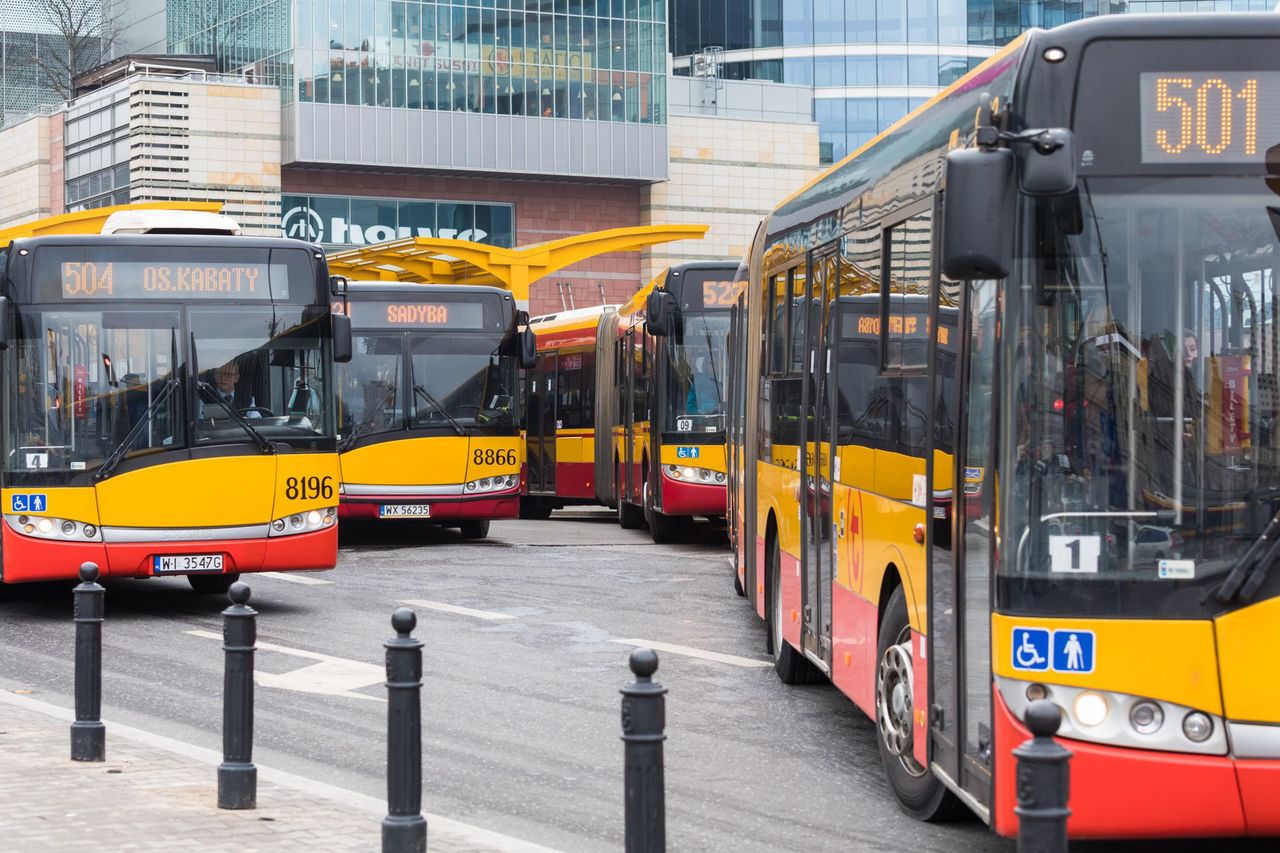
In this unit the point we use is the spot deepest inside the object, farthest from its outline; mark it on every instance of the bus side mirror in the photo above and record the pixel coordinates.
(528, 349)
(522, 317)
(338, 285)
(660, 310)
(978, 214)
(341, 338)
(6, 324)
(1047, 163)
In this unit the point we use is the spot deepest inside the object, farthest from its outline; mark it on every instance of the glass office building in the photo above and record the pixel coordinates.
(27, 77)
(872, 61)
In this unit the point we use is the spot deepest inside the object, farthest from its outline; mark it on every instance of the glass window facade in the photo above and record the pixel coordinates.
(359, 221)
(601, 60)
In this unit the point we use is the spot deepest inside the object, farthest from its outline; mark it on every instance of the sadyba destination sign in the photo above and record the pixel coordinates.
(361, 221)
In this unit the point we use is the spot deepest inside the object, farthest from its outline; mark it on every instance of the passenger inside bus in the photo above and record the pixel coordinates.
(703, 397)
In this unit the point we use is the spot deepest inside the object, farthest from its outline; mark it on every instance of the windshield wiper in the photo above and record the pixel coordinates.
(206, 390)
(426, 395)
(360, 430)
(1251, 569)
(109, 465)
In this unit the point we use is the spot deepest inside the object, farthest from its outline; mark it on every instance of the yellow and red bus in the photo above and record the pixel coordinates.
(662, 364)
(559, 403)
(168, 407)
(427, 404)
(1004, 429)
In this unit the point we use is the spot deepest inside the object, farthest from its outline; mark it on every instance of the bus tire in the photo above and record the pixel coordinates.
(737, 581)
(475, 528)
(212, 584)
(791, 666)
(918, 791)
(666, 529)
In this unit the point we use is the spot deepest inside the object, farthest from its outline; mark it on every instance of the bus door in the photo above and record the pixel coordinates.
(816, 462)
(962, 512)
(542, 424)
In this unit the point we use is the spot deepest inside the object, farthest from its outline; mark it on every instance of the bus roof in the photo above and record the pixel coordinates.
(176, 240)
(573, 328)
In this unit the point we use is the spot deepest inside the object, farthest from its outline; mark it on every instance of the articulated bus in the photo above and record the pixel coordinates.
(168, 407)
(661, 357)
(559, 396)
(1004, 421)
(427, 404)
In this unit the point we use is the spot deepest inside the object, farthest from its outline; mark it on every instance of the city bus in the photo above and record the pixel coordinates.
(427, 405)
(558, 401)
(1006, 413)
(661, 356)
(168, 407)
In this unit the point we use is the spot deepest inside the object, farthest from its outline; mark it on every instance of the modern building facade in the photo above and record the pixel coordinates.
(872, 61)
(34, 59)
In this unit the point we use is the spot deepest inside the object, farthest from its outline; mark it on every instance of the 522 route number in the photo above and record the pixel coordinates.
(308, 488)
(490, 456)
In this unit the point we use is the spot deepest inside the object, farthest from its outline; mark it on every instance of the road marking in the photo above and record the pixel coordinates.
(486, 615)
(701, 654)
(328, 676)
(449, 833)
(293, 578)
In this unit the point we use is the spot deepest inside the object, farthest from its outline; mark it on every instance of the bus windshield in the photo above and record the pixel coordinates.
(461, 383)
(695, 402)
(90, 383)
(1143, 440)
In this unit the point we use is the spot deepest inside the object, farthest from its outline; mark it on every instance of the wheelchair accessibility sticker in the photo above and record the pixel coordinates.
(1060, 650)
(35, 502)
(688, 452)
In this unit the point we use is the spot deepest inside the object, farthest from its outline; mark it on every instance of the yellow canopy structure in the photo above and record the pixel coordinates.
(91, 221)
(439, 261)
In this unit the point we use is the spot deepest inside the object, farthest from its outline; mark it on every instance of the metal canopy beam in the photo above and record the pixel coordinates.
(440, 261)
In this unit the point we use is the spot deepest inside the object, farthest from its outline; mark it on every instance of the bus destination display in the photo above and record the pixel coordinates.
(410, 315)
(1209, 116)
(155, 280)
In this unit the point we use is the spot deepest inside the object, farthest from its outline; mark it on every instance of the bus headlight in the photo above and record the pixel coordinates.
(306, 522)
(1089, 709)
(687, 473)
(50, 527)
(1197, 727)
(484, 485)
(1146, 717)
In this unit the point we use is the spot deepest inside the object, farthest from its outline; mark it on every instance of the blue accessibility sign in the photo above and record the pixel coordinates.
(31, 502)
(688, 452)
(1073, 650)
(1031, 649)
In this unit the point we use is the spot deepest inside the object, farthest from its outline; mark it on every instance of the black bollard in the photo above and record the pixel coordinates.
(644, 715)
(1043, 783)
(237, 777)
(404, 829)
(88, 735)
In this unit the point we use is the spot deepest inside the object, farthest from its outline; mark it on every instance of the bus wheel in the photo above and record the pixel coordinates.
(792, 667)
(919, 794)
(667, 528)
(532, 508)
(212, 584)
(475, 528)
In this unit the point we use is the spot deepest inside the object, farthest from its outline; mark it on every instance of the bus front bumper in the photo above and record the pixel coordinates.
(681, 497)
(464, 507)
(1119, 792)
(29, 558)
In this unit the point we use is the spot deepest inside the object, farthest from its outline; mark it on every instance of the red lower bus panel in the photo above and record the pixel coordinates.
(576, 480)
(502, 506)
(789, 568)
(853, 648)
(762, 567)
(919, 698)
(683, 498)
(30, 559)
(1260, 792)
(27, 558)
(1127, 793)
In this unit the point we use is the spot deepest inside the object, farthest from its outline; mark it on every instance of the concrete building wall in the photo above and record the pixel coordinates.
(26, 187)
(732, 161)
(544, 210)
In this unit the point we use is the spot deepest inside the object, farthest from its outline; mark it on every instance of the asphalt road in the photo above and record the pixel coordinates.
(523, 663)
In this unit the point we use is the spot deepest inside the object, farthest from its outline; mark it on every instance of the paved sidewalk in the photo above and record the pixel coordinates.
(153, 793)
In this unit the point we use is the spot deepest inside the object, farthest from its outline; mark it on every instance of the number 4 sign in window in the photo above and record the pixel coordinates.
(1075, 554)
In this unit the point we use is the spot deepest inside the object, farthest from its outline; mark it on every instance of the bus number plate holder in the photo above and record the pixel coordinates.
(404, 511)
(185, 563)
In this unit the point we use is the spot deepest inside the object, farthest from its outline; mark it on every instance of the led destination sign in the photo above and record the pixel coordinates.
(432, 315)
(152, 280)
(1209, 116)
